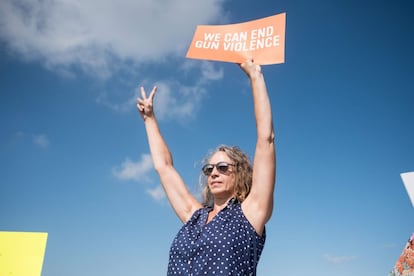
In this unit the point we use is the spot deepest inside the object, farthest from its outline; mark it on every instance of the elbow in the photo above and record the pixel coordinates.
(162, 161)
(266, 134)
(271, 137)
(266, 138)
(161, 166)
(161, 170)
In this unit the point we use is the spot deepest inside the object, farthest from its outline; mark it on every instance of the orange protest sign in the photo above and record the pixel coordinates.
(262, 39)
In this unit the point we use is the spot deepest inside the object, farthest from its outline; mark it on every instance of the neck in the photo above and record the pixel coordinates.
(220, 203)
(217, 207)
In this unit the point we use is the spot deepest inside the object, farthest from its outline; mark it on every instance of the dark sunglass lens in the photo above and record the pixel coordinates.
(207, 169)
(222, 167)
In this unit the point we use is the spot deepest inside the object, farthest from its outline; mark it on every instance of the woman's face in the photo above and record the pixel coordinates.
(220, 182)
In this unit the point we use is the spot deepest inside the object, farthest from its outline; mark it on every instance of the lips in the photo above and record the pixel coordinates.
(213, 183)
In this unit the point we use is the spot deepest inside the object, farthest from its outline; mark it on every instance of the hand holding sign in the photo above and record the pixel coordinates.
(262, 39)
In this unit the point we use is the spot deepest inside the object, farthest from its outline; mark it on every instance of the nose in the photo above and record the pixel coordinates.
(214, 172)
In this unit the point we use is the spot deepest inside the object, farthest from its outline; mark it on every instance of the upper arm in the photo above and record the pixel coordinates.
(180, 198)
(258, 206)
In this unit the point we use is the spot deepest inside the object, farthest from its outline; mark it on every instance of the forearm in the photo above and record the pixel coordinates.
(160, 153)
(262, 107)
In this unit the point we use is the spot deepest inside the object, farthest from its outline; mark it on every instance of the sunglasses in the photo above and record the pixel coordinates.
(222, 167)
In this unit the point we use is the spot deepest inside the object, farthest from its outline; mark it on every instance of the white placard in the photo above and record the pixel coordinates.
(408, 180)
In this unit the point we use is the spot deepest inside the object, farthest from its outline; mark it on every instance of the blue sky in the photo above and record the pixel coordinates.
(74, 155)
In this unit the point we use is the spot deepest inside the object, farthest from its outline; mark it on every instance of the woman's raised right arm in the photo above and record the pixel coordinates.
(182, 201)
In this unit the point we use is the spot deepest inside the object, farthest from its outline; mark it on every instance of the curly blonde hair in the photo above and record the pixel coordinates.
(243, 174)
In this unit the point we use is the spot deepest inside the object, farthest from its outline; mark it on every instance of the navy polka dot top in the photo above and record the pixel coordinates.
(227, 245)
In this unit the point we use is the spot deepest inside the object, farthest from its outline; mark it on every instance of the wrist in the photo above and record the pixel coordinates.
(148, 118)
(255, 75)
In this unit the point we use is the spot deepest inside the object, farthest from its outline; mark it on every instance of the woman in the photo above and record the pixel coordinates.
(226, 234)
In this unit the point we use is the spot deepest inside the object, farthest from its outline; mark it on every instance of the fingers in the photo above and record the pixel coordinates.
(249, 66)
(144, 101)
(140, 101)
(151, 95)
(143, 94)
(153, 91)
(249, 61)
(140, 105)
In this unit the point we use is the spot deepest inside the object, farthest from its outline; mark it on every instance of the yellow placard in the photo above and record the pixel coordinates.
(22, 253)
(263, 40)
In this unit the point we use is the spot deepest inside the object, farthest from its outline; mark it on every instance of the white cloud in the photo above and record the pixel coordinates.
(210, 72)
(338, 259)
(106, 37)
(17, 136)
(124, 106)
(130, 170)
(41, 140)
(138, 171)
(208, 69)
(175, 101)
(94, 34)
(157, 193)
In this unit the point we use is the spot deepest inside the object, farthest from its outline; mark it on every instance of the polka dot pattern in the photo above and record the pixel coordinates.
(224, 246)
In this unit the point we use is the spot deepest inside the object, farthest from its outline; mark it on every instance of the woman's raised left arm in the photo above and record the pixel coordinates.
(258, 206)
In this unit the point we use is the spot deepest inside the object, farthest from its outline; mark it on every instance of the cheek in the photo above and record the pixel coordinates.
(232, 180)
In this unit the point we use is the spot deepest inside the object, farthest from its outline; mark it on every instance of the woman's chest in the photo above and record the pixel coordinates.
(222, 234)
